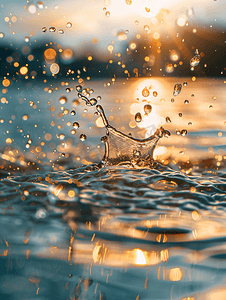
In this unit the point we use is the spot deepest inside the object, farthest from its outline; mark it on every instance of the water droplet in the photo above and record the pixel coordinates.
(172, 100)
(155, 94)
(147, 29)
(91, 91)
(107, 14)
(61, 136)
(145, 92)
(79, 88)
(29, 141)
(183, 132)
(180, 114)
(177, 89)
(66, 112)
(147, 109)
(185, 83)
(177, 131)
(63, 100)
(25, 117)
(168, 120)
(104, 139)
(61, 31)
(40, 4)
(68, 90)
(26, 39)
(98, 98)
(166, 133)
(195, 60)
(186, 101)
(82, 137)
(211, 106)
(69, 25)
(189, 123)
(93, 101)
(50, 91)
(76, 125)
(137, 22)
(52, 29)
(129, 2)
(73, 112)
(73, 131)
(27, 145)
(214, 98)
(138, 117)
(108, 84)
(84, 69)
(192, 95)
(44, 29)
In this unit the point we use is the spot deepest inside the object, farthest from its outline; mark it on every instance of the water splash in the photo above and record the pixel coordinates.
(122, 149)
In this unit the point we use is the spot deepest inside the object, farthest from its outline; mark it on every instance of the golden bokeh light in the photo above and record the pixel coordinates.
(23, 70)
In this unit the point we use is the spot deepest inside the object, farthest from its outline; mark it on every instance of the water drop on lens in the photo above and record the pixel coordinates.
(186, 101)
(73, 112)
(189, 123)
(52, 29)
(177, 89)
(195, 60)
(61, 31)
(185, 83)
(180, 114)
(168, 120)
(147, 28)
(107, 14)
(68, 90)
(44, 29)
(178, 132)
(155, 94)
(63, 100)
(76, 125)
(69, 25)
(138, 117)
(147, 109)
(26, 39)
(40, 5)
(172, 100)
(93, 101)
(73, 131)
(98, 98)
(61, 136)
(183, 132)
(145, 92)
(82, 137)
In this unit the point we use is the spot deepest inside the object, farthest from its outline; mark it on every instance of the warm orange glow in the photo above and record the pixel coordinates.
(8, 141)
(99, 123)
(23, 70)
(139, 257)
(175, 274)
(71, 193)
(67, 54)
(6, 82)
(54, 68)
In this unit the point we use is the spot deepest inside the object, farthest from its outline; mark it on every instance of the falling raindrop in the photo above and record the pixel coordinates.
(189, 123)
(52, 29)
(147, 109)
(177, 131)
(82, 137)
(177, 89)
(76, 125)
(183, 132)
(61, 136)
(138, 117)
(195, 60)
(145, 92)
(73, 131)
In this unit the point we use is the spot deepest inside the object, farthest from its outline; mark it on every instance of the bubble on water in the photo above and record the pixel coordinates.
(73, 131)
(61, 136)
(177, 89)
(44, 29)
(75, 125)
(79, 88)
(138, 117)
(73, 112)
(82, 137)
(107, 14)
(185, 83)
(63, 100)
(168, 120)
(98, 98)
(40, 4)
(69, 25)
(61, 31)
(180, 114)
(52, 29)
(195, 60)
(147, 109)
(172, 100)
(145, 92)
(68, 90)
(147, 29)
(183, 132)
(186, 101)
(26, 39)
(93, 101)
(25, 117)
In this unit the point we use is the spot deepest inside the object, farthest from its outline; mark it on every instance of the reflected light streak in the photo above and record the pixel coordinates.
(139, 257)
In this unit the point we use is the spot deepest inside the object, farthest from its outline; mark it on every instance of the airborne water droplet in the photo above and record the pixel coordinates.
(73, 131)
(147, 109)
(79, 88)
(195, 60)
(63, 100)
(98, 97)
(40, 5)
(68, 90)
(82, 137)
(73, 112)
(186, 101)
(183, 132)
(185, 83)
(52, 29)
(145, 92)
(44, 29)
(138, 117)
(61, 31)
(69, 25)
(76, 125)
(177, 89)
